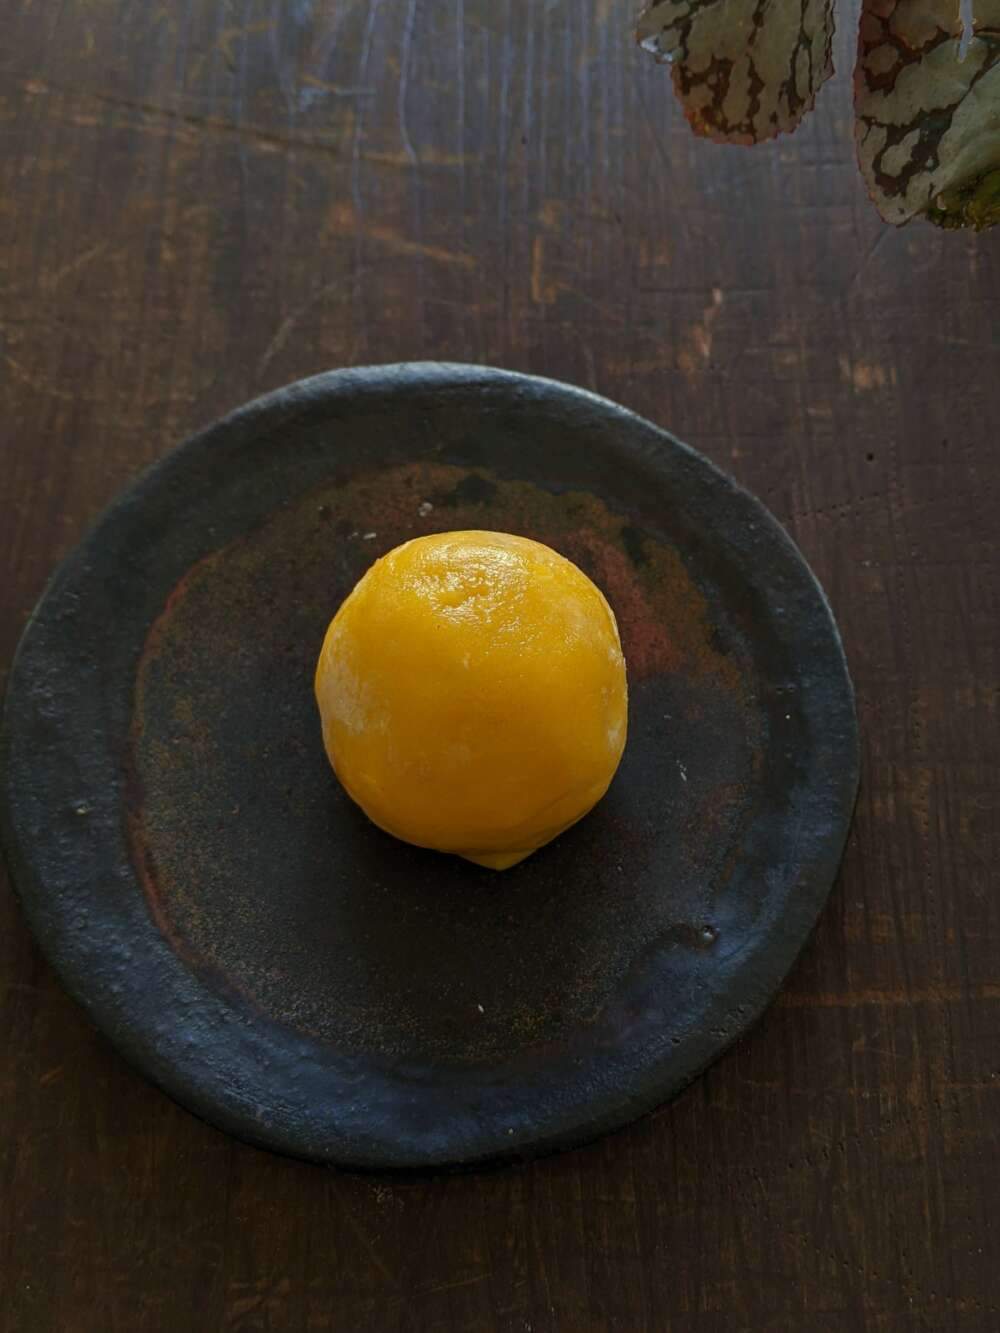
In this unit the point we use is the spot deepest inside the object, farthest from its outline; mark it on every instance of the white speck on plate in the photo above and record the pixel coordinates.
(368, 536)
(425, 509)
(683, 771)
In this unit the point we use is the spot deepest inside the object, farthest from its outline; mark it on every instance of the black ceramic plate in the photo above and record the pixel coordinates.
(243, 934)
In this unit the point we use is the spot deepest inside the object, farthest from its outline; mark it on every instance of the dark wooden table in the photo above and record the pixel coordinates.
(201, 201)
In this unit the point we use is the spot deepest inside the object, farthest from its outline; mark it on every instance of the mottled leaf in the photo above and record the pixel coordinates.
(927, 113)
(744, 70)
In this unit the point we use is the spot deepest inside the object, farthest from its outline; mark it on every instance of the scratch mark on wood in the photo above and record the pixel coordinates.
(228, 37)
(39, 383)
(368, 1245)
(459, 1282)
(404, 82)
(403, 245)
(255, 136)
(50, 281)
(288, 324)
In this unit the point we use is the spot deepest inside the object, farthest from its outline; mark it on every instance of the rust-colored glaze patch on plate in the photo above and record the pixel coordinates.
(225, 746)
(309, 983)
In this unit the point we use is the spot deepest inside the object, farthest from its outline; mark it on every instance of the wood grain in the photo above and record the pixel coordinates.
(200, 202)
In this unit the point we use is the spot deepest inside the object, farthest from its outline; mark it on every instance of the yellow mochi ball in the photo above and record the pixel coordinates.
(472, 693)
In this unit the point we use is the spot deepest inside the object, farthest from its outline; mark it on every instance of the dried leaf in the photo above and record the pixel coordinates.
(744, 70)
(927, 115)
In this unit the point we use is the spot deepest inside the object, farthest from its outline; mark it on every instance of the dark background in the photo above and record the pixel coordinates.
(202, 201)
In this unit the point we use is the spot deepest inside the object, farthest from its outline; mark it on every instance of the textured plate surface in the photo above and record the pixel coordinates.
(253, 944)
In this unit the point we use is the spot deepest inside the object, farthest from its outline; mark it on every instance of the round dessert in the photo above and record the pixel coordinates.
(473, 696)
